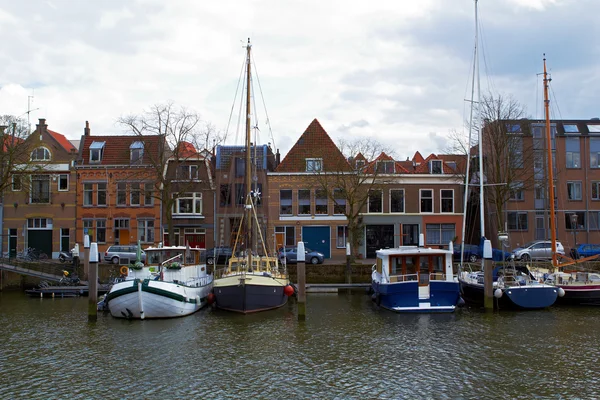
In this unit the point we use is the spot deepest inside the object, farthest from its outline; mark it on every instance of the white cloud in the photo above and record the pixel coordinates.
(396, 70)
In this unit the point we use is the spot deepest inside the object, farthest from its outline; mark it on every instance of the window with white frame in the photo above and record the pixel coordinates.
(375, 203)
(101, 194)
(360, 164)
(88, 192)
(447, 200)
(314, 164)
(321, 202)
(595, 190)
(40, 189)
(426, 200)
(40, 154)
(121, 194)
(39, 223)
(96, 152)
(436, 167)
(339, 202)
(342, 237)
(63, 182)
(88, 228)
(285, 202)
(188, 172)
(594, 152)
(146, 230)
(397, 200)
(136, 150)
(516, 151)
(135, 194)
(304, 202)
(188, 203)
(516, 191)
(288, 233)
(574, 190)
(440, 234)
(517, 220)
(16, 183)
(148, 194)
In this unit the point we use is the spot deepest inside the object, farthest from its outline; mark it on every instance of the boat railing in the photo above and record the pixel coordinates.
(404, 278)
(437, 276)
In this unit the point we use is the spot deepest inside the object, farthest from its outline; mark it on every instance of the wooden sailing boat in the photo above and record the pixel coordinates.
(253, 280)
(513, 286)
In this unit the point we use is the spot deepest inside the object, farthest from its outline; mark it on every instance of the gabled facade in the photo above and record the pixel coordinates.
(191, 177)
(117, 184)
(412, 197)
(575, 147)
(298, 209)
(230, 186)
(39, 206)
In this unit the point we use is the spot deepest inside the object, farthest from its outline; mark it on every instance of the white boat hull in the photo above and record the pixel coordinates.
(147, 299)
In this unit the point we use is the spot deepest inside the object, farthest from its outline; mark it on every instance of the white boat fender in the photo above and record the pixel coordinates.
(498, 293)
(198, 300)
(561, 292)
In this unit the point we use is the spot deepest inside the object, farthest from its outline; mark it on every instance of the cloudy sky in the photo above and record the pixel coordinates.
(396, 70)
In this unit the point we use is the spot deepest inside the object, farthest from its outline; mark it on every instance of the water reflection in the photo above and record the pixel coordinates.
(347, 348)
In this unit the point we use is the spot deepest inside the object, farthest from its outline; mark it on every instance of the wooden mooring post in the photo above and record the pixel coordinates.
(93, 283)
(301, 269)
(86, 256)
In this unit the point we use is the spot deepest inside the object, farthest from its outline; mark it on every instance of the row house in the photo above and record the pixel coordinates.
(40, 203)
(412, 197)
(575, 149)
(190, 179)
(231, 191)
(117, 189)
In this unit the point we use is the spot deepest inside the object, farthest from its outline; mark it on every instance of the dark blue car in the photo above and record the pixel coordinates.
(473, 252)
(586, 250)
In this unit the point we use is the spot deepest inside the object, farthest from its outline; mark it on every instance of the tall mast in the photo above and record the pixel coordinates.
(480, 131)
(550, 169)
(249, 200)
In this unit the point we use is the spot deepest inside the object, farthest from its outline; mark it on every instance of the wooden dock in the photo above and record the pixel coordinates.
(64, 291)
(335, 287)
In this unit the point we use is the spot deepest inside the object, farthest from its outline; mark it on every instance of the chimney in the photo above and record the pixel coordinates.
(86, 131)
(42, 123)
(277, 158)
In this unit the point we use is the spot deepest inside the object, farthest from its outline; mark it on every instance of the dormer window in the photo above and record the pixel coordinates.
(137, 152)
(513, 128)
(314, 164)
(360, 164)
(96, 152)
(385, 167)
(436, 167)
(40, 154)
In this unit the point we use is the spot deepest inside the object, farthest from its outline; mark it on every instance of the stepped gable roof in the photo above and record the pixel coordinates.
(63, 141)
(116, 148)
(314, 143)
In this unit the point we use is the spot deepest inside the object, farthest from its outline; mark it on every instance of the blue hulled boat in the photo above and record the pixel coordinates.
(415, 279)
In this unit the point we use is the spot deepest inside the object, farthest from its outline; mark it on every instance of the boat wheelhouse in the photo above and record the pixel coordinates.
(415, 279)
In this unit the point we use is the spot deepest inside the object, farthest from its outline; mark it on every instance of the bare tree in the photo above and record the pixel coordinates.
(15, 152)
(182, 133)
(348, 181)
(505, 149)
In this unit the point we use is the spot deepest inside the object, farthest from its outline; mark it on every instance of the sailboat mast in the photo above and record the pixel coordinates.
(248, 171)
(550, 169)
(480, 130)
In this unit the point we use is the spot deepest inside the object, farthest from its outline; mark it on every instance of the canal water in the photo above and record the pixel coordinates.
(346, 349)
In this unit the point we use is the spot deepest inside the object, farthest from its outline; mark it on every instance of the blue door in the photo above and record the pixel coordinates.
(317, 238)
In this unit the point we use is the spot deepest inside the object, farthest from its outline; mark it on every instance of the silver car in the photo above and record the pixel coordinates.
(537, 250)
(123, 254)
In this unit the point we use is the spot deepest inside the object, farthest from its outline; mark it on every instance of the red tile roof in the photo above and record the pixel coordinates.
(62, 140)
(116, 149)
(186, 150)
(314, 143)
(418, 158)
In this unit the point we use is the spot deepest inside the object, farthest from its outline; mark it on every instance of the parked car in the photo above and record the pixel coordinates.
(289, 255)
(537, 250)
(585, 250)
(217, 255)
(472, 253)
(117, 254)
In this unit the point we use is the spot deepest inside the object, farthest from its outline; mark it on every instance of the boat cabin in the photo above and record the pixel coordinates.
(411, 263)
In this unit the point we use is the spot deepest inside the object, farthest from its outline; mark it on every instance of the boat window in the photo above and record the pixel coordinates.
(411, 266)
(379, 267)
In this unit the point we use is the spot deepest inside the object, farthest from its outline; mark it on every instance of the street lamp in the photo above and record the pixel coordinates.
(573, 217)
